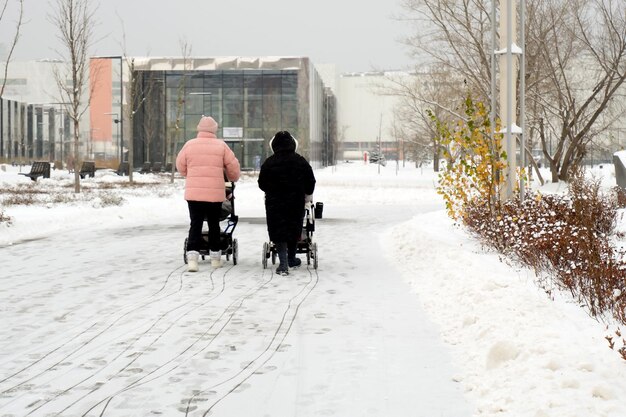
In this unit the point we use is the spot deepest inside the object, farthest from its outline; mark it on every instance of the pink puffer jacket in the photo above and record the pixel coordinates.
(203, 161)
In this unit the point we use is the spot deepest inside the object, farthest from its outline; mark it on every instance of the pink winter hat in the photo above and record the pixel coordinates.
(207, 124)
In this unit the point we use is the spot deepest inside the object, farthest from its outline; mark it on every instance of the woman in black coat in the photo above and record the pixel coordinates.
(286, 178)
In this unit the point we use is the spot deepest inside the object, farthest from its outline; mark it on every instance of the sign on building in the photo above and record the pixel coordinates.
(233, 132)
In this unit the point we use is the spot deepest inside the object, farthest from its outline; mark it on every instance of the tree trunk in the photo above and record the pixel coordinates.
(77, 160)
(436, 158)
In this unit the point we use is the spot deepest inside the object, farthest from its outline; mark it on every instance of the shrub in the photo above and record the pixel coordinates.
(564, 237)
(109, 199)
(19, 198)
(4, 218)
(475, 170)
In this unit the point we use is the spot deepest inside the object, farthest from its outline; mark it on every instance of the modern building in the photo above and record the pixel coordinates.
(251, 98)
(33, 120)
(334, 116)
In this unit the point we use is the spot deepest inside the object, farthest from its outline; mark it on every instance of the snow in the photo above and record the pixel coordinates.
(406, 315)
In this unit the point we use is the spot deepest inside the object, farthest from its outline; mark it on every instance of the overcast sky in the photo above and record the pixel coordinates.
(355, 35)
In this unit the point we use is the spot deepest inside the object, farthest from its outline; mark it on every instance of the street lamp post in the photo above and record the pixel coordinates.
(117, 122)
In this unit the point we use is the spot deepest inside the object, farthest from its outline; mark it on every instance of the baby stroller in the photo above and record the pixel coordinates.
(228, 245)
(305, 244)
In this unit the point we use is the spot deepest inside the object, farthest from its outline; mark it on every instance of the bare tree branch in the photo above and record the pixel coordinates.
(16, 37)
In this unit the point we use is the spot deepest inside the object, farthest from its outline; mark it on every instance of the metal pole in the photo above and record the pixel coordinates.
(509, 96)
(119, 139)
(380, 148)
(492, 114)
(121, 128)
(522, 95)
(507, 93)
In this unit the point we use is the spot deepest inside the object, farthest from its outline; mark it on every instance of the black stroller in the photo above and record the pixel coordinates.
(305, 244)
(228, 245)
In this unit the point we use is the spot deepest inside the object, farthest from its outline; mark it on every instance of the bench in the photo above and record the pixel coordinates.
(156, 167)
(88, 168)
(38, 169)
(122, 169)
(146, 168)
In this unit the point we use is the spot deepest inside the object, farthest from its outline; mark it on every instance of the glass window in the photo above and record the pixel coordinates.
(254, 113)
(215, 110)
(173, 80)
(233, 120)
(253, 133)
(271, 84)
(253, 84)
(271, 104)
(172, 94)
(290, 113)
(195, 81)
(233, 106)
(233, 93)
(271, 121)
(290, 86)
(191, 125)
(194, 104)
(232, 79)
(213, 79)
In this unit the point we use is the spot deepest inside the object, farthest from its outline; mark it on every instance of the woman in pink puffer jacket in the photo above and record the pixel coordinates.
(203, 161)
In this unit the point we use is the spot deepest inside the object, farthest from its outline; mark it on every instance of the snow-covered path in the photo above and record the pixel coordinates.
(108, 322)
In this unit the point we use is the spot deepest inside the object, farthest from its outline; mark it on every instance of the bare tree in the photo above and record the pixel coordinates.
(150, 115)
(16, 37)
(134, 100)
(174, 137)
(575, 57)
(587, 68)
(433, 90)
(75, 21)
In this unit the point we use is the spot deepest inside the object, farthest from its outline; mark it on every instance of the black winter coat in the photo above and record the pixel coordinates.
(285, 177)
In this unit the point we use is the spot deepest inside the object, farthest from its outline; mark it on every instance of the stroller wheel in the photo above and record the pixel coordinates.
(315, 258)
(235, 250)
(266, 249)
(185, 250)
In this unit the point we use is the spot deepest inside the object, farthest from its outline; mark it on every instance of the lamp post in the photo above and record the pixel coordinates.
(117, 122)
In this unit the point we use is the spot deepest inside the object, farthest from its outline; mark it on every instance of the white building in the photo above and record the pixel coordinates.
(365, 111)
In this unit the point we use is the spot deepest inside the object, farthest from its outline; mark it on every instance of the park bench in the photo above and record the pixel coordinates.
(146, 168)
(88, 168)
(122, 169)
(156, 167)
(38, 169)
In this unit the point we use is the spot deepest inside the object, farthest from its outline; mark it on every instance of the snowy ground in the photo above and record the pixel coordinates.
(406, 315)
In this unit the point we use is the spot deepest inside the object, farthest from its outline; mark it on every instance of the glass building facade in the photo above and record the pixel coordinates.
(250, 98)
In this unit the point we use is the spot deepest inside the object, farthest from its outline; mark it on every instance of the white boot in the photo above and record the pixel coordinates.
(192, 261)
(216, 258)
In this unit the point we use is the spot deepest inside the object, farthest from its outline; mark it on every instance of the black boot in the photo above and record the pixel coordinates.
(292, 261)
(283, 268)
